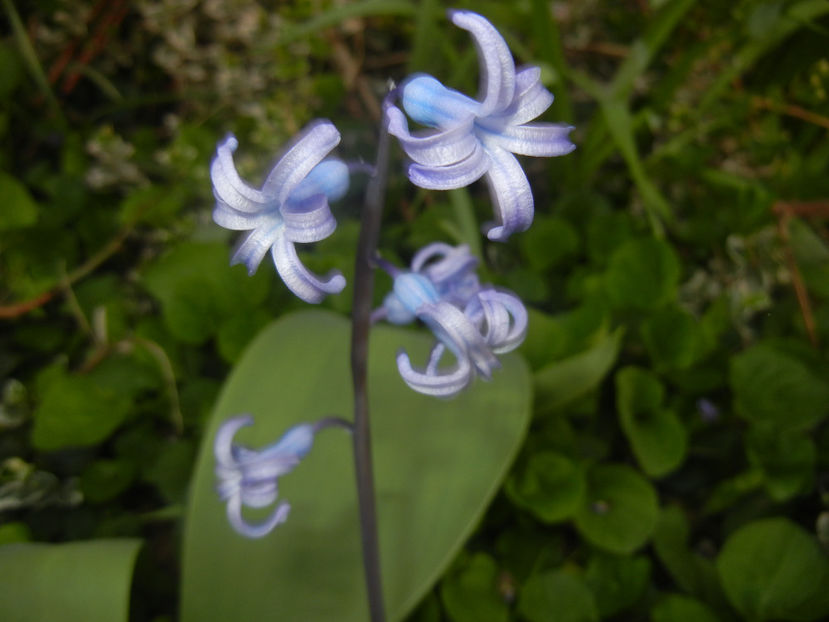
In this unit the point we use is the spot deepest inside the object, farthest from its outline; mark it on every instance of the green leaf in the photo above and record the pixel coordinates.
(655, 434)
(774, 388)
(548, 242)
(549, 485)
(569, 379)
(679, 608)
(104, 479)
(787, 458)
(19, 208)
(470, 593)
(199, 290)
(73, 582)
(438, 463)
(617, 582)
(11, 533)
(643, 274)
(559, 596)
(772, 569)
(620, 509)
(672, 337)
(77, 411)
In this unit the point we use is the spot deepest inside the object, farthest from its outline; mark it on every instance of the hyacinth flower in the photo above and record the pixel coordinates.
(248, 478)
(291, 207)
(473, 322)
(474, 138)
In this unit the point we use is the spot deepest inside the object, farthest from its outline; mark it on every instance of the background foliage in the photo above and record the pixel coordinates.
(676, 465)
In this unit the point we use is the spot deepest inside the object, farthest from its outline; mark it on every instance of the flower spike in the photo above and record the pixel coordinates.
(292, 207)
(475, 138)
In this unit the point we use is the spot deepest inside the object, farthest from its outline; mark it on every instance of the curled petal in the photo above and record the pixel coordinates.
(297, 277)
(456, 175)
(234, 516)
(437, 149)
(511, 194)
(310, 147)
(534, 139)
(228, 187)
(436, 384)
(505, 318)
(458, 333)
(253, 247)
(497, 82)
(309, 220)
(531, 98)
(223, 443)
(453, 262)
(235, 220)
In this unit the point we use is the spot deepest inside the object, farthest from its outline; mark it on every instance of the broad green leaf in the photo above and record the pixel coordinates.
(549, 485)
(787, 459)
(774, 388)
(77, 411)
(104, 479)
(559, 596)
(619, 510)
(11, 533)
(73, 582)
(772, 569)
(812, 256)
(19, 208)
(655, 433)
(564, 381)
(672, 337)
(470, 592)
(679, 608)
(643, 274)
(617, 582)
(438, 463)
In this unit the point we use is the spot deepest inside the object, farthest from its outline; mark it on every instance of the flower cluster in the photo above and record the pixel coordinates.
(473, 322)
(464, 139)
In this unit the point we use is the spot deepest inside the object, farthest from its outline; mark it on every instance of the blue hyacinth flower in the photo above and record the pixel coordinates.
(248, 478)
(475, 138)
(473, 322)
(291, 207)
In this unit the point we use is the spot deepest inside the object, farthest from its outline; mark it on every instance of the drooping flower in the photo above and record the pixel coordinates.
(473, 322)
(249, 478)
(473, 138)
(291, 207)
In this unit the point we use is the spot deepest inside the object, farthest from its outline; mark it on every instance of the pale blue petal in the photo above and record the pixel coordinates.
(228, 187)
(235, 220)
(439, 148)
(444, 263)
(257, 530)
(430, 103)
(298, 279)
(253, 247)
(454, 176)
(436, 384)
(533, 139)
(510, 193)
(329, 177)
(223, 442)
(506, 319)
(308, 150)
(460, 335)
(531, 98)
(296, 442)
(497, 80)
(309, 220)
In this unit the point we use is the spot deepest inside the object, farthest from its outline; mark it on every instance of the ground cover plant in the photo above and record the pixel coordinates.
(655, 450)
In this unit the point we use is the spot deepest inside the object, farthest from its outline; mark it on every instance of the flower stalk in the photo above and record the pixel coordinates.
(360, 327)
